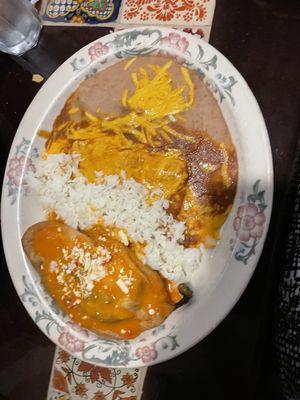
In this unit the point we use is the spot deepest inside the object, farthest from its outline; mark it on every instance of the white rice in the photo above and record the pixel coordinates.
(116, 201)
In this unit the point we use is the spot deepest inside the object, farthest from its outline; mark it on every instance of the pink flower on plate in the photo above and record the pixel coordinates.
(176, 42)
(97, 50)
(15, 167)
(249, 222)
(146, 353)
(70, 342)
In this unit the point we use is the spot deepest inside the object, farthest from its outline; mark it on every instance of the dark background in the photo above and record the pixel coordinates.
(238, 359)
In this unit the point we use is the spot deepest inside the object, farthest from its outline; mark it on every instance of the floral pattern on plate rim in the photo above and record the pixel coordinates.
(15, 167)
(249, 224)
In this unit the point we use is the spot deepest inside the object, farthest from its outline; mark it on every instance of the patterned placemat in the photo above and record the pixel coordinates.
(195, 16)
(167, 12)
(88, 12)
(73, 379)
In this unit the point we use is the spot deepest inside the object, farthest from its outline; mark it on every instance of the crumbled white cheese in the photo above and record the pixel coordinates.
(123, 238)
(115, 200)
(87, 263)
(53, 266)
(122, 285)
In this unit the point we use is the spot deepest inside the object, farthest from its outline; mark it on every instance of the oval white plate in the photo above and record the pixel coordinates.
(225, 273)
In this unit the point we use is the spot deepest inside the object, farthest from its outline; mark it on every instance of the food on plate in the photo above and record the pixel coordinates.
(101, 281)
(137, 177)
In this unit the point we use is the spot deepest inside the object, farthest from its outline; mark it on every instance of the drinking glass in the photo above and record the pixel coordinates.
(20, 26)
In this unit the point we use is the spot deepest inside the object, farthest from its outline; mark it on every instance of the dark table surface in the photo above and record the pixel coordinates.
(238, 359)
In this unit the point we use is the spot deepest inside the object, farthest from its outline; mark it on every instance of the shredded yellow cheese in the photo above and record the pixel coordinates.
(91, 117)
(44, 134)
(151, 109)
(155, 96)
(190, 84)
(166, 136)
(154, 99)
(124, 98)
(129, 63)
(73, 110)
